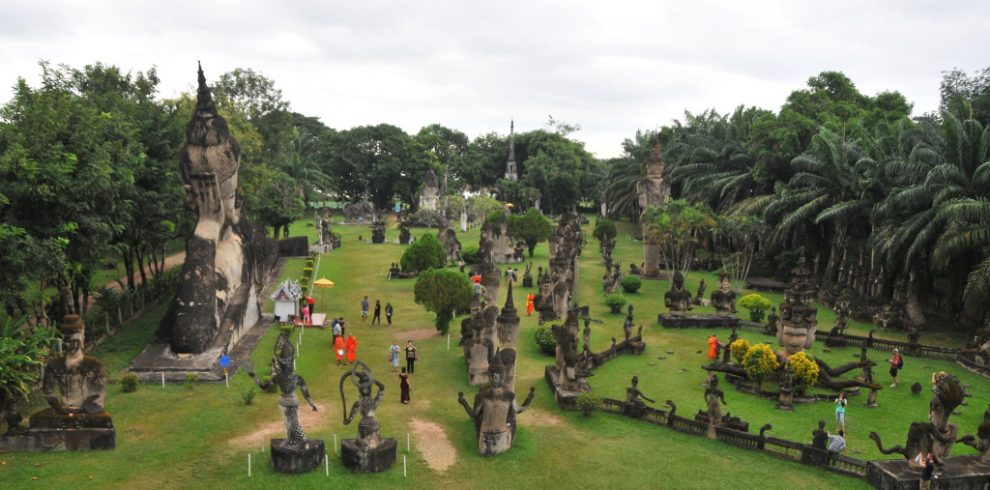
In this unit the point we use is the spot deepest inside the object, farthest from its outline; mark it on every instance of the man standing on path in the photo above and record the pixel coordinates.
(364, 309)
(388, 313)
(378, 313)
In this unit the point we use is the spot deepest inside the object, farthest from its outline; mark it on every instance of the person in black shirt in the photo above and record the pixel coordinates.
(378, 313)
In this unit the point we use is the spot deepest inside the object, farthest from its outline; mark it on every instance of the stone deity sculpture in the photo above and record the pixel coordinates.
(634, 405)
(798, 323)
(495, 410)
(652, 191)
(80, 379)
(677, 299)
(714, 395)
(724, 299)
(370, 452)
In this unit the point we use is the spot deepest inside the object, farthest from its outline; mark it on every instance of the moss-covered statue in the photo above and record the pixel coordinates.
(495, 408)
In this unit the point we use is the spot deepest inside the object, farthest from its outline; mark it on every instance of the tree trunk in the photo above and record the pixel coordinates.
(915, 313)
(140, 261)
(128, 258)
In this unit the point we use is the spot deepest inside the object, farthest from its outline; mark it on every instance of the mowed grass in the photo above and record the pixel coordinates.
(200, 438)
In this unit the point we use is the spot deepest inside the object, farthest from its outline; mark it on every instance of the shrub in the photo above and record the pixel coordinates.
(615, 302)
(604, 228)
(190, 381)
(804, 369)
(531, 227)
(443, 291)
(425, 253)
(470, 255)
(631, 284)
(757, 306)
(248, 396)
(588, 402)
(128, 383)
(760, 361)
(738, 349)
(543, 335)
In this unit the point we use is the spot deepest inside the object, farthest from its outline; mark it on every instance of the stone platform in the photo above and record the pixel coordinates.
(364, 460)
(566, 399)
(297, 460)
(959, 473)
(699, 320)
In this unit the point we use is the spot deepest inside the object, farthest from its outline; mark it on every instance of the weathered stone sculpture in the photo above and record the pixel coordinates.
(798, 318)
(724, 298)
(370, 452)
(652, 191)
(431, 191)
(295, 454)
(677, 299)
(378, 230)
(451, 245)
(483, 344)
(495, 409)
(937, 435)
(634, 406)
(527, 279)
(227, 258)
(981, 442)
(508, 322)
(74, 387)
(404, 234)
(714, 395)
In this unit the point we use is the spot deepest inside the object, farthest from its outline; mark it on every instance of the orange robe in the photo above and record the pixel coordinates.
(338, 348)
(712, 347)
(529, 303)
(351, 345)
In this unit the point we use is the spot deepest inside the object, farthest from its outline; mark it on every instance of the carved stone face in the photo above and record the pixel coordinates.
(793, 339)
(678, 281)
(73, 343)
(725, 285)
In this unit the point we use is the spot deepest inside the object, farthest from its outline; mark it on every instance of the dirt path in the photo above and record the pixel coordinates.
(310, 420)
(170, 262)
(433, 445)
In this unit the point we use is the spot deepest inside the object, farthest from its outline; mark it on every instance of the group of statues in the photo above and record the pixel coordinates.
(296, 453)
(563, 273)
(679, 300)
(488, 340)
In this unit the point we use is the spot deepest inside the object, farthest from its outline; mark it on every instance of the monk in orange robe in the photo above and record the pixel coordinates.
(351, 345)
(529, 304)
(712, 348)
(339, 348)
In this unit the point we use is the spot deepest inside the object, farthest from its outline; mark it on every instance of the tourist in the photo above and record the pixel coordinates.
(476, 278)
(393, 355)
(377, 317)
(404, 386)
(837, 442)
(530, 299)
(343, 327)
(305, 314)
(713, 348)
(339, 348)
(840, 410)
(927, 471)
(460, 263)
(508, 276)
(312, 304)
(388, 313)
(364, 309)
(411, 357)
(896, 363)
(351, 346)
(336, 328)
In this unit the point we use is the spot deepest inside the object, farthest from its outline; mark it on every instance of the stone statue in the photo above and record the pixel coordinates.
(227, 258)
(586, 336)
(652, 191)
(495, 410)
(404, 234)
(567, 354)
(527, 280)
(378, 230)
(981, 442)
(431, 191)
(713, 395)
(634, 405)
(627, 327)
(677, 299)
(798, 323)
(937, 435)
(724, 298)
(771, 327)
(508, 321)
(701, 292)
(78, 377)
(451, 245)
(370, 452)
(295, 454)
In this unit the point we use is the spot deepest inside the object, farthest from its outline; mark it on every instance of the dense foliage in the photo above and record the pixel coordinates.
(631, 283)
(424, 253)
(543, 336)
(756, 304)
(615, 302)
(443, 292)
(531, 227)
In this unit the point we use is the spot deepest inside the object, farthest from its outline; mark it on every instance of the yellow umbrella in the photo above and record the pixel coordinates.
(323, 284)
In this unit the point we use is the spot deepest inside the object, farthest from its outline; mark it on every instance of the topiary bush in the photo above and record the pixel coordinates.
(604, 228)
(190, 381)
(757, 306)
(631, 284)
(425, 253)
(248, 396)
(760, 361)
(738, 349)
(128, 383)
(443, 291)
(543, 335)
(804, 369)
(587, 402)
(615, 302)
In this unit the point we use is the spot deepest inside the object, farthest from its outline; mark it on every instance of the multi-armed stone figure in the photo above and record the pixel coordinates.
(495, 408)
(295, 454)
(370, 452)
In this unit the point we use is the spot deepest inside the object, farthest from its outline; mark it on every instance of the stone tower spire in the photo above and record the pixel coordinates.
(510, 165)
(508, 322)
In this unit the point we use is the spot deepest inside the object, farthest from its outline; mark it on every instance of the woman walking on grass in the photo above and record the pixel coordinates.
(404, 386)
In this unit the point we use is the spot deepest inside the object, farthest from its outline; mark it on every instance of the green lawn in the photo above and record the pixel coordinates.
(200, 438)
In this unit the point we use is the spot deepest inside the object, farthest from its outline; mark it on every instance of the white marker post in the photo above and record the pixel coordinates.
(335, 443)
(326, 461)
(403, 466)
(226, 379)
(249, 465)
(163, 380)
(407, 442)
(448, 341)
(262, 443)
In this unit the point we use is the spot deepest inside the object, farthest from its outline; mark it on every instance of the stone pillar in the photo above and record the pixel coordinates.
(651, 256)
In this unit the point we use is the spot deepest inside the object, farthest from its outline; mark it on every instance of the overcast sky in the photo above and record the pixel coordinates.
(611, 67)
